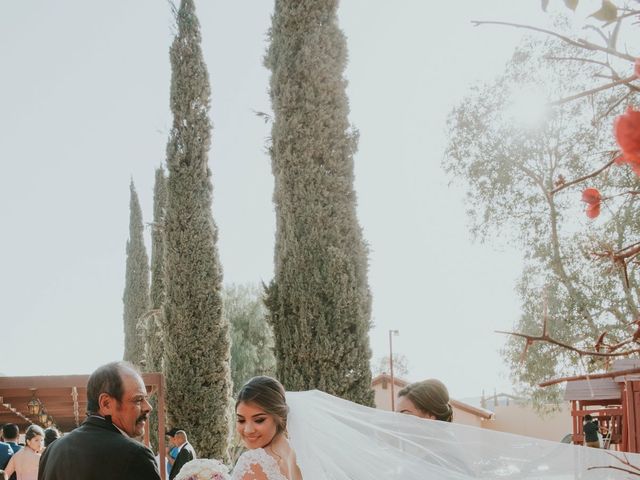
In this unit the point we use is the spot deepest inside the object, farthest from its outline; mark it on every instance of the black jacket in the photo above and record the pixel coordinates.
(97, 450)
(186, 454)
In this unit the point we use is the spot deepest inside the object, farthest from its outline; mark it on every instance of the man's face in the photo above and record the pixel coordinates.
(132, 413)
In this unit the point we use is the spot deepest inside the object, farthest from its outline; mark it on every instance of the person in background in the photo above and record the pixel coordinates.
(186, 452)
(24, 463)
(171, 450)
(10, 434)
(6, 452)
(51, 434)
(426, 399)
(591, 428)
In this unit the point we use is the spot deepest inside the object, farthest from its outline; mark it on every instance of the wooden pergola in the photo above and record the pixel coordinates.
(64, 397)
(614, 401)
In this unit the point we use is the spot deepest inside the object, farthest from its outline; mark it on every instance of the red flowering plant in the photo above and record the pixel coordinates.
(592, 198)
(626, 128)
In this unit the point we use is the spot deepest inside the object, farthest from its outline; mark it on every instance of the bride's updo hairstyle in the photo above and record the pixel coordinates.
(268, 394)
(431, 397)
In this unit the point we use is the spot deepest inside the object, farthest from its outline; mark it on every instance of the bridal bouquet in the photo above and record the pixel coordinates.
(203, 469)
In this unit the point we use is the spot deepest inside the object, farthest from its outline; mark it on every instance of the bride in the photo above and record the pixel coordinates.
(261, 422)
(322, 437)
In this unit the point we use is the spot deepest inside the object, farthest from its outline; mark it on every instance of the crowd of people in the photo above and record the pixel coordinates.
(107, 445)
(21, 461)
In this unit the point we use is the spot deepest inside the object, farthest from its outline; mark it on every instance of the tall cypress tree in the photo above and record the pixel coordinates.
(319, 301)
(136, 289)
(196, 334)
(153, 332)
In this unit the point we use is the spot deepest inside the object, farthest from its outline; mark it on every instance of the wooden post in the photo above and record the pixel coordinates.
(632, 445)
(574, 421)
(635, 387)
(161, 424)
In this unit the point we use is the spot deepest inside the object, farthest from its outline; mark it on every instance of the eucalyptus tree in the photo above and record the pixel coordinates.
(515, 168)
(251, 335)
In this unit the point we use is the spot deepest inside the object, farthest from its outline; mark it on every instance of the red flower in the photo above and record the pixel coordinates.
(593, 210)
(636, 67)
(626, 128)
(592, 198)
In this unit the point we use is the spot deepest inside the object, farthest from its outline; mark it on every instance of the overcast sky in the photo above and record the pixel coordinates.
(84, 100)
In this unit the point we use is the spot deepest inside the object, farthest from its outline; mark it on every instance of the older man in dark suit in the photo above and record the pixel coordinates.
(104, 446)
(186, 452)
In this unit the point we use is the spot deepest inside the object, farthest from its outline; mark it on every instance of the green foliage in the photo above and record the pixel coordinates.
(572, 4)
(251, 335)
(154, 335)
(319, 301)
(136, 290)
(607, 13)
(197, 335)
(509, 172)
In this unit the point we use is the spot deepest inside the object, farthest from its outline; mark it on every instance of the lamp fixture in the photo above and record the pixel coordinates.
(34, 405)
(43, 416)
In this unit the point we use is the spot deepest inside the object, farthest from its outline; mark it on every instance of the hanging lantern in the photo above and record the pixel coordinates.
(34, 404)
(43, 416)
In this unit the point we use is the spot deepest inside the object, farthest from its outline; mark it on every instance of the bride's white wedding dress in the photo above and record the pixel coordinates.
(338, 440)
(257, 457)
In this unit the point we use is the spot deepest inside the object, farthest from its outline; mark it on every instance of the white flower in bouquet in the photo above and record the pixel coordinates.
(203, 469)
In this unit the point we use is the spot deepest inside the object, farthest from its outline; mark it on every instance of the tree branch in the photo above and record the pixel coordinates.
(594, 90)
(586, 177)
(548, 339)
(579, 59)
(581, 43)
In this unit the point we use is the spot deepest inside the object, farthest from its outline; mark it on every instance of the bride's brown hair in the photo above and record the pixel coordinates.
(430, 397)
(268, 394)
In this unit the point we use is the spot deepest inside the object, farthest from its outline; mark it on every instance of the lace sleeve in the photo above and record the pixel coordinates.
(256, 465)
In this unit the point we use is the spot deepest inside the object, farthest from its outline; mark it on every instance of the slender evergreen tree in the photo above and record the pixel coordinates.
(319, 300)
(196, 334)
(154, 334)
(136, 289)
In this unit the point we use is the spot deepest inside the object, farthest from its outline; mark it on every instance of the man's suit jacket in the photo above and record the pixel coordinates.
(186, 454)
(97, 450)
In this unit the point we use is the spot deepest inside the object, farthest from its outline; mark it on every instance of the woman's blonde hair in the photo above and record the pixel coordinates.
(431, 397)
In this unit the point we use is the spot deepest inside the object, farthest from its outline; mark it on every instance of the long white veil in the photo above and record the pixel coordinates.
(338, 440)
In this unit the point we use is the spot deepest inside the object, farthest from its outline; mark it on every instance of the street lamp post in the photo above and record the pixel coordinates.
(393, 394)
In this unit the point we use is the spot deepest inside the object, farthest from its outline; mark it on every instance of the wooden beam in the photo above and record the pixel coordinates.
(44, 382)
